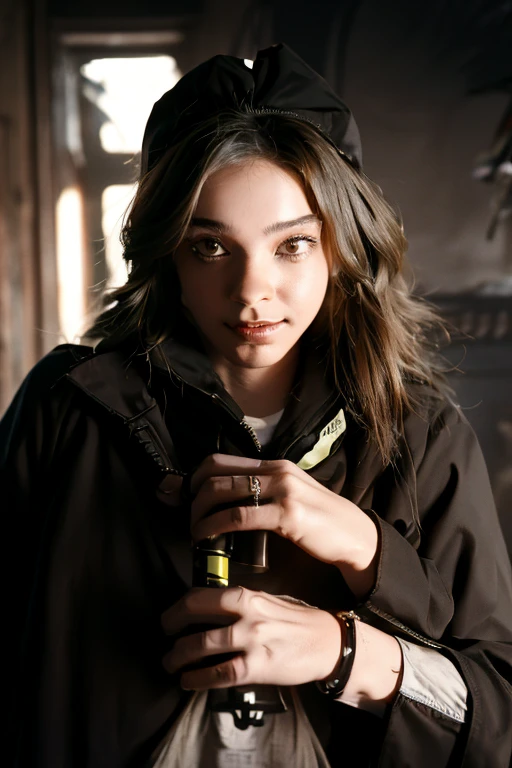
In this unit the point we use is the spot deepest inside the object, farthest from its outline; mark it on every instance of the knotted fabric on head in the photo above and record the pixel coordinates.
(278, 82)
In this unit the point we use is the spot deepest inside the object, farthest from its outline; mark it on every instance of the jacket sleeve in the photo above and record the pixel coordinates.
(455, 588)
(28, 438)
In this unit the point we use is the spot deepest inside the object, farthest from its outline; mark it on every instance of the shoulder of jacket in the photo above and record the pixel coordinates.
(55, 365)
(432, 412)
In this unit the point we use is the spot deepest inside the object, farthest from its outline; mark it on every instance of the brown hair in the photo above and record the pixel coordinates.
(377, 330)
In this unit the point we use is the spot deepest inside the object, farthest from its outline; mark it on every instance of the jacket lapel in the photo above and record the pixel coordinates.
(114, 382)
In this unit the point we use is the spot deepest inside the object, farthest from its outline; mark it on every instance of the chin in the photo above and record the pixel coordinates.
(258, 357)
(266, 356)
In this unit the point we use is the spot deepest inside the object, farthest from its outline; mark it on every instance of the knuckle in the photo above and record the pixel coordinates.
(290, 475)
(231, 632)
(213, 484)
(234, 671)
(258, 604)
(291, 520)
(212, 460)
(242, 601)
(245, 598)
(225, 673)
(284, 466)
(258, 631)
(286, 484)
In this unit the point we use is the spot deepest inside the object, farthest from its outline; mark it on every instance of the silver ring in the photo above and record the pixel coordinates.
(255, 489)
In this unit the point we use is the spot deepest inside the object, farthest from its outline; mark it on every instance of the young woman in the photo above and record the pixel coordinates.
(264, 368)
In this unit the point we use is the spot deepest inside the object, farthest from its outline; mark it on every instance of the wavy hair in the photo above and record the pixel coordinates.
(377, 331)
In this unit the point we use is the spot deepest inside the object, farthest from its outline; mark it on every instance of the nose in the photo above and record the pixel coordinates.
(253, 281)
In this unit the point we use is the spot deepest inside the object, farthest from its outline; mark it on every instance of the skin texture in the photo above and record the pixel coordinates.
(245, 265)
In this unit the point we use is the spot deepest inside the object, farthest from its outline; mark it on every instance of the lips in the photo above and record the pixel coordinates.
(260, 331)
(257, 324)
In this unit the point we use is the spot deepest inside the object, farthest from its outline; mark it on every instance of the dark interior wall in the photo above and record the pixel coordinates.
(112, 9)
(406, 80)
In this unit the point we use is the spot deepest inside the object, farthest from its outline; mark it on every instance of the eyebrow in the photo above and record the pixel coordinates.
(278, 226)
(217, 226)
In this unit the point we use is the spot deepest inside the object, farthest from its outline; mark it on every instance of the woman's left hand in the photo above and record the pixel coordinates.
(273, 641)
(293, 505)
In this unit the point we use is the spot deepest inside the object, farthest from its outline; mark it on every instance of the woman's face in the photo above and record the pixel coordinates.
(252, 267)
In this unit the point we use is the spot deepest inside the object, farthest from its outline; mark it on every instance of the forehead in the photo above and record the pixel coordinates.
(255, 190)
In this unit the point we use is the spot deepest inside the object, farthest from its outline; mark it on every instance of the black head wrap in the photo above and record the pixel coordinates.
(278, 82)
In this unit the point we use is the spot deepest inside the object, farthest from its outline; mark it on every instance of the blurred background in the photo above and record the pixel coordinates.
(429, 83)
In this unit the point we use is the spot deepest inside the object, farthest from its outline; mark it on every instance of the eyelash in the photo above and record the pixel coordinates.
(294, 257)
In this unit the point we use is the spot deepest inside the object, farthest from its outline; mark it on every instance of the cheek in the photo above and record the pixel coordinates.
(310, 289)
(195, 289)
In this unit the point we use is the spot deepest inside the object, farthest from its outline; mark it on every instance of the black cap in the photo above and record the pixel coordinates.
(279, 81)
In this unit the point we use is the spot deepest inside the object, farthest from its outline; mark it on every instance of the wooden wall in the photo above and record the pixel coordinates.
(27, 280)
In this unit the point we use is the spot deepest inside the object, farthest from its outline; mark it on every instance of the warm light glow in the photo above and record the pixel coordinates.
(70, 263)
(130, 88)
(114, 202)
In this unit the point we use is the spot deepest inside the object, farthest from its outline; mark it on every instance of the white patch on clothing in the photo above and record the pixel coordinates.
(322, 447)
(431, 679)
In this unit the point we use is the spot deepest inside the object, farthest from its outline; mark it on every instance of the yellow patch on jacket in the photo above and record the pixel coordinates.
(322, 447)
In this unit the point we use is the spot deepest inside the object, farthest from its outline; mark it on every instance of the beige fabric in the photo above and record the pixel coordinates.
(204, 739)
(432, 679)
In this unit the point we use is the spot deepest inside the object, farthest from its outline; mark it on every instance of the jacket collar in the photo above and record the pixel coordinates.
(120, 379)
(311, 397)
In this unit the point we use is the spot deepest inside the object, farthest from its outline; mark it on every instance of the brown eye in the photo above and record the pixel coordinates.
(211, 246)
(208, 247)
(297, 247)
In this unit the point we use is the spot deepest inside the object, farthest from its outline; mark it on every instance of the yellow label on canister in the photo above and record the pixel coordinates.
(322, 447)
(218, 566)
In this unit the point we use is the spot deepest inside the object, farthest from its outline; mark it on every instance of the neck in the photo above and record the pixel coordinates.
(259, 391)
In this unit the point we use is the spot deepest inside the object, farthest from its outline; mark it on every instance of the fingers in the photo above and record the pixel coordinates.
(239, 652)
(272, 641)
(267, 517)
(282, 488)
(235, 638)
(206, 606)
(191, 649)
(220, 490)
(226, 674)
(222, 464)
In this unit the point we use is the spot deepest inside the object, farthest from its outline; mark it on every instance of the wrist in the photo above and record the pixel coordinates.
(359, 567)
(377, 671)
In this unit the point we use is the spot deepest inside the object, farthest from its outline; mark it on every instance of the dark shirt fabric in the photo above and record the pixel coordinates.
(94, 555)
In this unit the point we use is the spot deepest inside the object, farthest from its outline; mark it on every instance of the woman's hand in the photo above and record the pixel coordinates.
(293, 505)
(276, 642)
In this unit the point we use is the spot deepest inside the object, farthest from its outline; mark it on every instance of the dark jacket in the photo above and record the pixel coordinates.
(94, 555)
